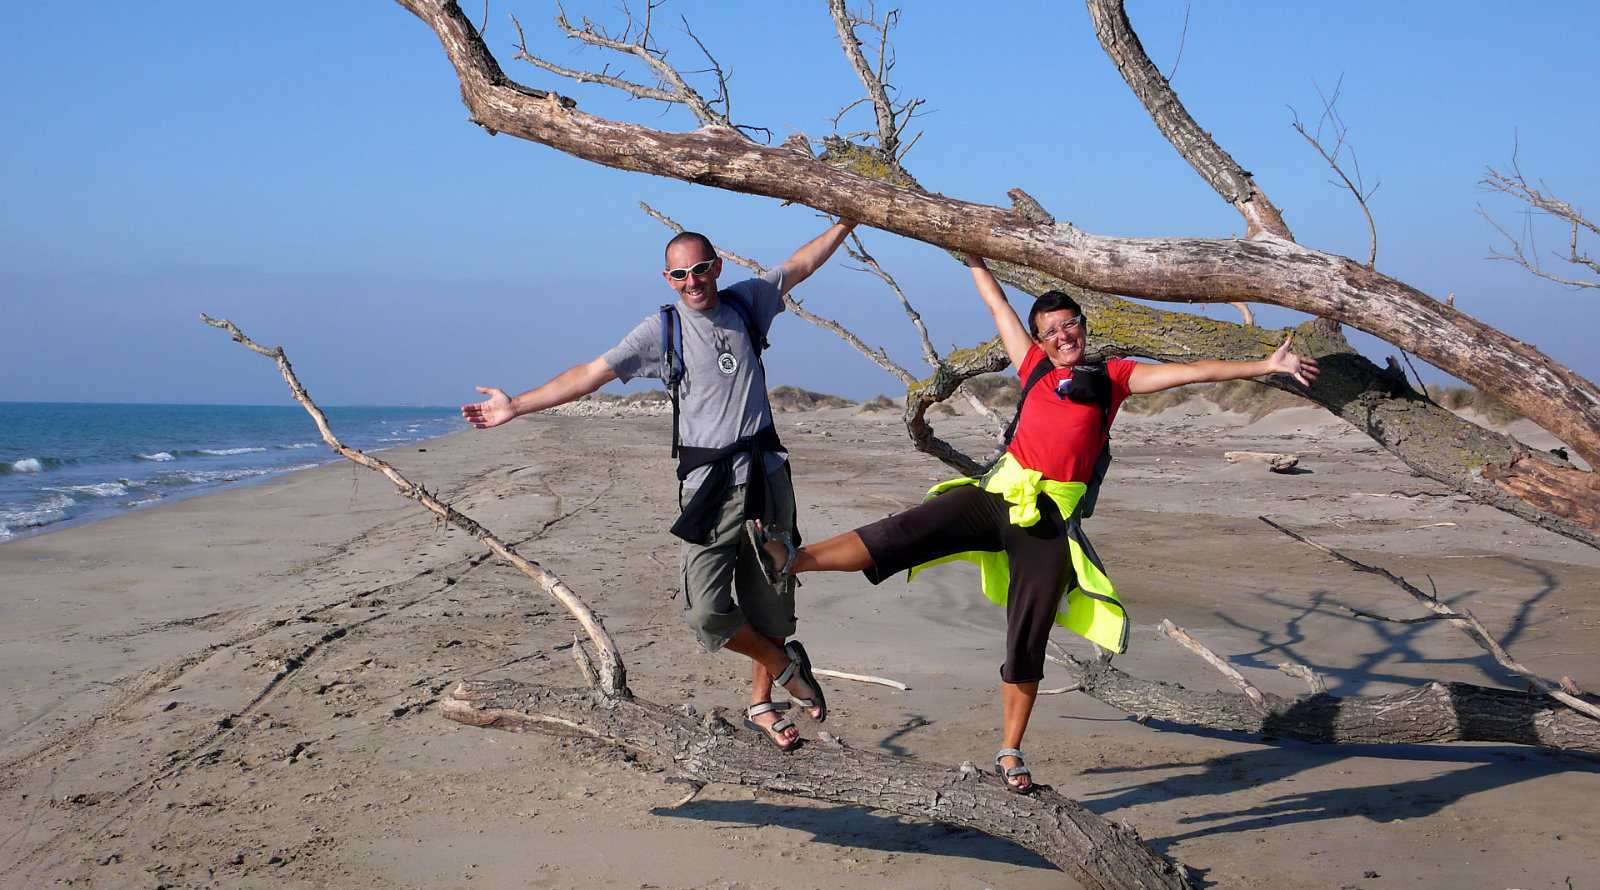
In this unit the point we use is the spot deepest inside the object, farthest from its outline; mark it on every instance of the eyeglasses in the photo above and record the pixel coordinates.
(1066, 327)
(699, 268)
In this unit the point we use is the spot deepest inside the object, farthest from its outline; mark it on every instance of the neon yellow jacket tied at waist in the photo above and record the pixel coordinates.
(1090, 608)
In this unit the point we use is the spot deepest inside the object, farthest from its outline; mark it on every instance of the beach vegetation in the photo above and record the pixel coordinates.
(793, 398)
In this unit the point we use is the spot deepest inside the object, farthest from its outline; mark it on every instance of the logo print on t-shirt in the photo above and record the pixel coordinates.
(726, 362)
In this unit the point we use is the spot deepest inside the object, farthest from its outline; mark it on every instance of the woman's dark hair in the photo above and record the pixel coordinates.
(1050, 301)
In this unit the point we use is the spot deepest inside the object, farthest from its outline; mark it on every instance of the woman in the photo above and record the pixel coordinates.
(1020, 520)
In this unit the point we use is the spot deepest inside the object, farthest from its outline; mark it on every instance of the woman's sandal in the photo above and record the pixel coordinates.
(799, 661)
(770, 733)
(758, 538)
(1020, 769)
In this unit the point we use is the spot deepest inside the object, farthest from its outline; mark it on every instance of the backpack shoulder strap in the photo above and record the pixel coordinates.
(672, 363)
(1102, 462)
(1034, 376)
(758, 340)
(673, 367)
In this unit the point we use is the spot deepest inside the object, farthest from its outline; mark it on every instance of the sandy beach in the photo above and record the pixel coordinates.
(239, 690)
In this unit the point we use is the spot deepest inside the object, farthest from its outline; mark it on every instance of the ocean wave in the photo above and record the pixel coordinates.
(296, 445)
(115, 489)
(228, 452)
(159, 455)
(26, 465)
(53, 509)
(222, 476)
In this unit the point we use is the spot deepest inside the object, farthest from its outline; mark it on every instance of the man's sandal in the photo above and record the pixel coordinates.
(800, 662)
(770, 733)
(1021, 769)
(758, 538)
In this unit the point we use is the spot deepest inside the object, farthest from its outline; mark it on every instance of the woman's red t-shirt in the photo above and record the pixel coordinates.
(1057, 436)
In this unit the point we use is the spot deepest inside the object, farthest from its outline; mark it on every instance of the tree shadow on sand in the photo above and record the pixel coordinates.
(1463, 772)
(852, 826)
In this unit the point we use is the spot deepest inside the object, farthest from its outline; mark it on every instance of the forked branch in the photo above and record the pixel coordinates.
(1337, 131)
(1541, 201)
(1215, 165)
(892, 118)
(636, 41)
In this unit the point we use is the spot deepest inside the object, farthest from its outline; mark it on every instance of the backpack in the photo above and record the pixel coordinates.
(672, 367)
(1090, 385)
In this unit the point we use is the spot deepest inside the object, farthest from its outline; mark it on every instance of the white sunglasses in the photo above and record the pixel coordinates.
(699, 268)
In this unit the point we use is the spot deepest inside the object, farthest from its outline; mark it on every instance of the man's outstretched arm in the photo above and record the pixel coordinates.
(810, 258)
(573, 383)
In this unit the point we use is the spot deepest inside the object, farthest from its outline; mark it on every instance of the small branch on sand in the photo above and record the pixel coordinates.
(1183, 639)
(861, 678)
(1277, 463)
(1311, 678)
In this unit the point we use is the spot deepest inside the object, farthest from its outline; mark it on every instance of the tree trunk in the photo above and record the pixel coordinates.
(1430, 713)
(1096, 853)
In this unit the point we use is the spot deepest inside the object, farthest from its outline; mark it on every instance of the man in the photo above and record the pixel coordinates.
(732, 467)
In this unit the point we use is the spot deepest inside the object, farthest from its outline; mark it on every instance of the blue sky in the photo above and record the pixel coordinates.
(307, 170)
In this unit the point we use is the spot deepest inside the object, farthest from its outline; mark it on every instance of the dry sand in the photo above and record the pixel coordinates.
(238, 690)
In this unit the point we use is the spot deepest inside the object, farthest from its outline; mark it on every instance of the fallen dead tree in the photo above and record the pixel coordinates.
(1430, 713)
(1095, 852)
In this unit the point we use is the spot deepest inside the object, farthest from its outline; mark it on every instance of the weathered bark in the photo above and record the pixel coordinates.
(1264, 270)
(1430, 713)
(1561, 491)
(1095, 852)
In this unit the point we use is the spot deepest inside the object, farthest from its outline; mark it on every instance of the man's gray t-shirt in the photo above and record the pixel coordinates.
(723, 396)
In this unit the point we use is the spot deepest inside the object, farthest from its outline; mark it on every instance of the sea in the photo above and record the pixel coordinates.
(68, 463)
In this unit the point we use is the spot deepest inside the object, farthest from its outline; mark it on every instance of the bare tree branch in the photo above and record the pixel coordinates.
(858, 252)
(1335, 124)
(1092, 851)
(1429, 713)
(637, 42)
(892, 119)
(1540, 201)
(610, 675)
(1193, 645)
